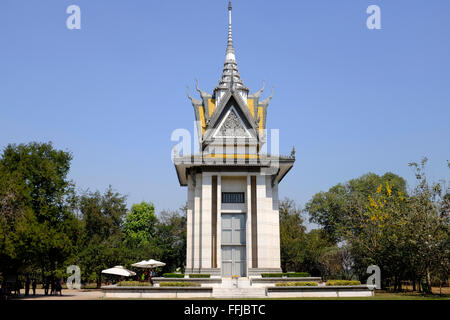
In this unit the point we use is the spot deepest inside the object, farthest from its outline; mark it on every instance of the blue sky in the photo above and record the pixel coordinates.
(351, 100)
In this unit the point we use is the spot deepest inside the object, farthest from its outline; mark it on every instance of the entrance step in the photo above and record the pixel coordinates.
(244, 283)
(232, 283)
(239, 293)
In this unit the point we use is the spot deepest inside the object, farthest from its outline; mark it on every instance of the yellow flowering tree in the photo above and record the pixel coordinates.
(407, 236)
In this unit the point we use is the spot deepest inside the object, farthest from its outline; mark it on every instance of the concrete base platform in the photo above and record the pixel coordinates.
(319, 292)
(156, 292)
(240, 288)
(203, 282)
(270, 282)
(239, 293)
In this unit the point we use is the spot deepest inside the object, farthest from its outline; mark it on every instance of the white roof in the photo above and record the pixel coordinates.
(148, 264)
(119, 271)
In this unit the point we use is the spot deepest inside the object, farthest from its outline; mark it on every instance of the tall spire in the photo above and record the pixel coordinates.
(231, 79)
(230, 48)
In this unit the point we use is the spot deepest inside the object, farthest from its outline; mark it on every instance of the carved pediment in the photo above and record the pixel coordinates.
(232, 126)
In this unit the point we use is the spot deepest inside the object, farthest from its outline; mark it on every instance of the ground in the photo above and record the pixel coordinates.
(88, 294)
(94, 294)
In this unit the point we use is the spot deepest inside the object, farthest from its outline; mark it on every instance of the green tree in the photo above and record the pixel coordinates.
(429, 227)
(103, 214)
(406, 235)
(37, 206)
(102, 217)
(317, 255)
(292, 236)
(302, 251)
(333, 208)
(139, 227)
(170, 239)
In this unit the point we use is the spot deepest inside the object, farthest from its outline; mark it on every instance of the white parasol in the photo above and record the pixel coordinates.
(148, 264)
(119, 271)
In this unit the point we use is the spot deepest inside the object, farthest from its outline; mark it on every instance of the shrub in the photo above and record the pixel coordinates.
(343, 283)
(271, 275)
(87, 286)
(296, 274)
(179, 284)
(173, 275)
(289, 275)
(297, 284)
(194, 276)
(133, 284)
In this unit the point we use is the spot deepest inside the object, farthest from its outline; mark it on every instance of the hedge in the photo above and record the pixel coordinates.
(297, 274)
(343, 283)
(173, 275)
(199, 276)
(133, 284)
(289, 275)
(297, 284)
(179, 284)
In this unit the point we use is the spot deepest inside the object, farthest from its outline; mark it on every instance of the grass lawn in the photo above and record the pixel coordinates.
(380, 295)
(384, 296)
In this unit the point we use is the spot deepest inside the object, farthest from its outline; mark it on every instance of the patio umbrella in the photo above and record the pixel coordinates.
(119, 271)
(148, 264)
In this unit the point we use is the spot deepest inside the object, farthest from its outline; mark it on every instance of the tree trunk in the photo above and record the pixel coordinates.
(99, 281)
(429, 281)
(399, 284)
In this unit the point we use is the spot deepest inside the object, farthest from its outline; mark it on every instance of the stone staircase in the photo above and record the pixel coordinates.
(241, 289)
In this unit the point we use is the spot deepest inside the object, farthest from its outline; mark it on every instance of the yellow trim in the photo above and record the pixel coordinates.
(260, 116)
(211, 106)
(251, 106)
(201, 112)
(235, 156)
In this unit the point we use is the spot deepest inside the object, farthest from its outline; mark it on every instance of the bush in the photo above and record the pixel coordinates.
(133, 284)
(343, 283)
(297, 274)
(179, 284)
(173, 275)
(194, 276)
(289, 275)
(271, 275)
(297, 284)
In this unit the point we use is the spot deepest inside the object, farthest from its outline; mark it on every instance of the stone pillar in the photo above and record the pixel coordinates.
(249, 243)
(276, 227)
(197, 224)
(267, 228)
(263, 241)
(219, 222)
(190, 225)
(254, 218)
(214, 222)
(206, 234)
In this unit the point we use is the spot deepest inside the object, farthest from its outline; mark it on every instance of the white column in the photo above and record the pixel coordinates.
(190, 225)
(268, 225)
(276, 228)
(249, 223)
(197, 222)
(263, 234)
(219, 221)
(206, 234)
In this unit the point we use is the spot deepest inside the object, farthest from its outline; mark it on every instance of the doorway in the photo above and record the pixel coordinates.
(233, 244)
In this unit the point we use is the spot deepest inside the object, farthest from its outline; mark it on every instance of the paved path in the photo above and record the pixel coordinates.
(67, 295)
